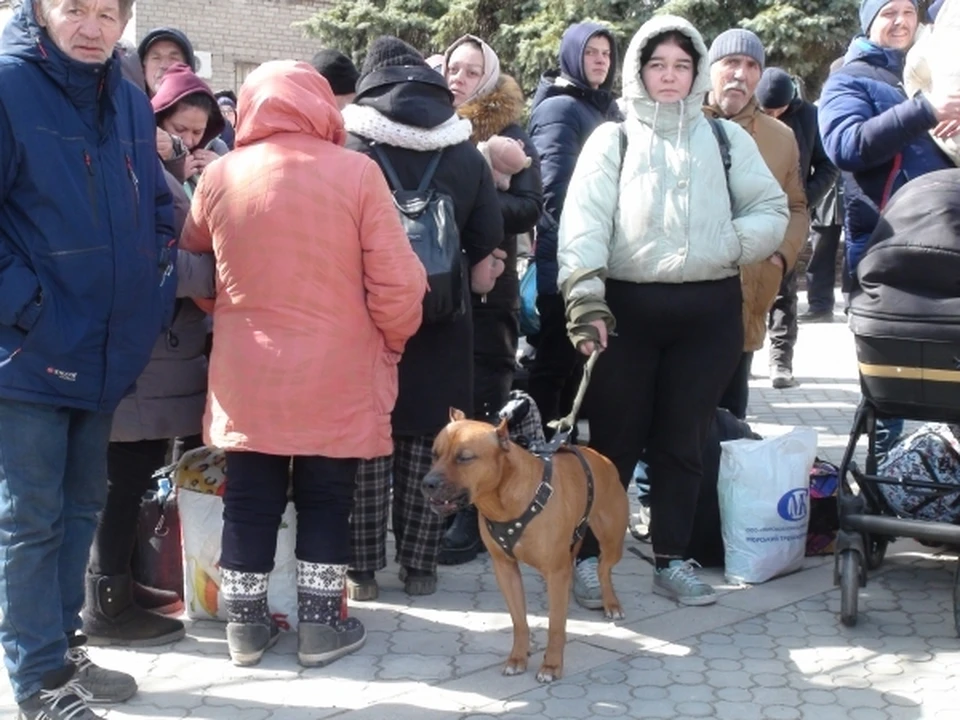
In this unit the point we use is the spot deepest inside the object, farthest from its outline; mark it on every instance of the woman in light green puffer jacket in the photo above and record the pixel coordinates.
(653, 234)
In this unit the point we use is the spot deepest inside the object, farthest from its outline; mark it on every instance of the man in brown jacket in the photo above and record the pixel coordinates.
(736, 64)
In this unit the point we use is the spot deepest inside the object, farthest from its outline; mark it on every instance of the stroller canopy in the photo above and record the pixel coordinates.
(910, 275)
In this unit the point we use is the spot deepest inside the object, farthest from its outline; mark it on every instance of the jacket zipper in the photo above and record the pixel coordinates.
(91, 186)
(136, 191)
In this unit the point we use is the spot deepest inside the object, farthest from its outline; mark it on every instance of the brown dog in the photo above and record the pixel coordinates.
(476, 461)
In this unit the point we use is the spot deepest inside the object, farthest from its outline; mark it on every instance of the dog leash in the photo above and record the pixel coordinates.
(565, 425)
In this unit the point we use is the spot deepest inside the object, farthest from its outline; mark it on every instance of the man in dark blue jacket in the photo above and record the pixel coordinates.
(86, 252)
(569, 104)
(877, 136)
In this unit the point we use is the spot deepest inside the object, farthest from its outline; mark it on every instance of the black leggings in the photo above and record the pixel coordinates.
(256, 497)
(656, 387)
(130, 469)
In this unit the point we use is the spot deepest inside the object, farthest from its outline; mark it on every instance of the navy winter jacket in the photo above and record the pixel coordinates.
(86, 226)
(565, 111)
(866, 121)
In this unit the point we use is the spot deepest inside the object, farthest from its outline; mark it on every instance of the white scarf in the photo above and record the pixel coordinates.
(373, 125)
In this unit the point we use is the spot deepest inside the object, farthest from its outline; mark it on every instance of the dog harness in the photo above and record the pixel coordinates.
(507, 534)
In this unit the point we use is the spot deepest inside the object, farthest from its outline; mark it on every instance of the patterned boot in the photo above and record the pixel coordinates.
(250, 629)
(325, 633)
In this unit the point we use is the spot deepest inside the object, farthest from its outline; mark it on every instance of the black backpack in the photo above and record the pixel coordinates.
(429, 221)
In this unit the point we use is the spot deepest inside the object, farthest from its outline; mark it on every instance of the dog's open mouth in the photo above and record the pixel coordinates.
(446, 504)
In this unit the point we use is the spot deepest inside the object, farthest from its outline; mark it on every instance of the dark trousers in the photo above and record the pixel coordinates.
(737, 393)
(657, 386)
(782, 323)
(822, 267)
(496, 332)
(553, 376)
(130, 469)
(256, 497)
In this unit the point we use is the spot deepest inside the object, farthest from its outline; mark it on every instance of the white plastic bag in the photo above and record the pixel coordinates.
(764, 504)
(201, 520)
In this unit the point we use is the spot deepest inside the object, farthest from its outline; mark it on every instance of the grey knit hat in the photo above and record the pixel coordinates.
(737, 42)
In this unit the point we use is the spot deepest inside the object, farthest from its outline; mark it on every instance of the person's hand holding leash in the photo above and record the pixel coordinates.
(588, 346)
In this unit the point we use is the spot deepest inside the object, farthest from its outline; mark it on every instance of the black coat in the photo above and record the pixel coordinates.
(816, 169)
(499, 113)
(436, 371)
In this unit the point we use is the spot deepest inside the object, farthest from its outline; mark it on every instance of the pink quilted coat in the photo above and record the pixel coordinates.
(318, 289)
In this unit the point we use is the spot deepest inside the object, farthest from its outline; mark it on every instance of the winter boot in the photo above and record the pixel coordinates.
(326, 632)
(250, 629)
(111, 617)
(461, 543)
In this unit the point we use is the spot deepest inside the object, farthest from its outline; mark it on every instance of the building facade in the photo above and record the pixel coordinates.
(232, 37)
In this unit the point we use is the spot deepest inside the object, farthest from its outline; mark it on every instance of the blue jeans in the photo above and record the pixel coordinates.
(53, 483)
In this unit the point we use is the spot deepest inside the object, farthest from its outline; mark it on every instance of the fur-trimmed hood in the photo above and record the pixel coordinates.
(495, 111)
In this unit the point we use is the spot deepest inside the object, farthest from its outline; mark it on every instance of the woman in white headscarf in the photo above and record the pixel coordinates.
(493, 102)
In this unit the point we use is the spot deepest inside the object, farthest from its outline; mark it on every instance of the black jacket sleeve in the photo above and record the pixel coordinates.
(823, 173)
(483, 231)
(522, 204)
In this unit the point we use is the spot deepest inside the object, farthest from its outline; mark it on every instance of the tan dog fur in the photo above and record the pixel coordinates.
(502, 479)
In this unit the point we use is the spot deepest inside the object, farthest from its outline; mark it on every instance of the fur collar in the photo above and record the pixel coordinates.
(494, 111)
(375, 126)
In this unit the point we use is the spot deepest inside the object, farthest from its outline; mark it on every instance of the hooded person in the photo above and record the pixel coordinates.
(161, 49)
(665, 272)
(404, 110)
(185, 107)
(166, 403)
(569, 104)
(318, 291)
(494, 104)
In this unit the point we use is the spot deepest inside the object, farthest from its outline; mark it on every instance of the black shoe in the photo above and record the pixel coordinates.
(111, 617)
(821, 316)
(418, 582)
(461, 543)
(165, 602)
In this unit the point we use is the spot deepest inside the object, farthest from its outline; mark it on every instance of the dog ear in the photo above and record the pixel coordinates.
(456, 415)
(503, 435)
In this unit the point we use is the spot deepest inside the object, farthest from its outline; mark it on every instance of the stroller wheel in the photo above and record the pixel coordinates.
(849, 586)
(876, 551)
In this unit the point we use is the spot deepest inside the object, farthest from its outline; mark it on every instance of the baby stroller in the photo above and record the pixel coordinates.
(906, 322)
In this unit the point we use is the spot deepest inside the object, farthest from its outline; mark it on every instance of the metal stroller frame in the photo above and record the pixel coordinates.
(867, 522)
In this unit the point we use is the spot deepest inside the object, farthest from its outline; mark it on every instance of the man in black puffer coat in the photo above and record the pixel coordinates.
(778, 96)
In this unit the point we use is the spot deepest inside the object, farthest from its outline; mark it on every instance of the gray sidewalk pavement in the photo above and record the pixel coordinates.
(775, 651)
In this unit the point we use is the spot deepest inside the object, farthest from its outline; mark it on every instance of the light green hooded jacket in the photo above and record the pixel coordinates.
(667, 217)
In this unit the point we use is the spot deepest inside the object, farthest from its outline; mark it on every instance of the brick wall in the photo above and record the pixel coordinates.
(238, 34)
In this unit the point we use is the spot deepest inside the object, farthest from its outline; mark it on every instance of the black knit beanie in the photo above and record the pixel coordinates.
(338, 69)
(388, 51)
(776, 89)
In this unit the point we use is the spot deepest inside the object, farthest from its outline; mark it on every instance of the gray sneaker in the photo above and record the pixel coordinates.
(680, 582)
(321, 644)
(101, 686)
(586, 585)
(67, 702)
(782, 378)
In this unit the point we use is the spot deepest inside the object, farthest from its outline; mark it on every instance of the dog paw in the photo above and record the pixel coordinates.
(614, 613)
(548, 673)
(514, 667)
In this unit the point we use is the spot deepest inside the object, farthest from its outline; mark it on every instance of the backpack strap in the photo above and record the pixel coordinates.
(430, 171)
(723, 140)
(387, 168)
